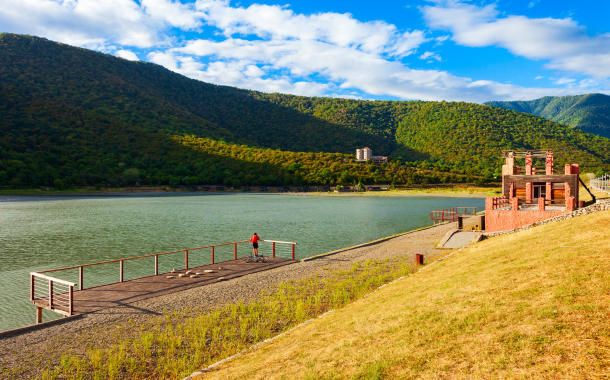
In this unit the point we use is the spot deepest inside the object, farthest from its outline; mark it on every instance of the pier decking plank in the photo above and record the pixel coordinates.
(121, 293)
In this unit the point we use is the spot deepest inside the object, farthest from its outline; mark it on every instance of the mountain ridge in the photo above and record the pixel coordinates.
(589, 112)
(86, 118)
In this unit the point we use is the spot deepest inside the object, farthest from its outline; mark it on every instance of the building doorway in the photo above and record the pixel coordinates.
(539, 191)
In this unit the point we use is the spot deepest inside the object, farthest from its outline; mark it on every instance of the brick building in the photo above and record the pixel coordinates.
(531, 193)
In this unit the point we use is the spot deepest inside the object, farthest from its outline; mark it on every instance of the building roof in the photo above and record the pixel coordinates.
(366, 147)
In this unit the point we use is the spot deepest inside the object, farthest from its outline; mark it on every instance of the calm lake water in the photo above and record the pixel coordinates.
(38, 233)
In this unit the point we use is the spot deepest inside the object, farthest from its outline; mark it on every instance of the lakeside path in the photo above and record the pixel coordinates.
(31, 351)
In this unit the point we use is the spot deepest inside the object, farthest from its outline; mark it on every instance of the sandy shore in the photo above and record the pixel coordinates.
(397, 194)
(31, 351)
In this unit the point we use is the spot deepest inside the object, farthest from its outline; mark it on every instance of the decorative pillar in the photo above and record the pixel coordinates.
(528, 171)
(489, 203)
(510, 163)
(549, 162)
(570, 204)
(549, 171)
(540, 204)
(515, 203)
(511, 190)
(575, 169)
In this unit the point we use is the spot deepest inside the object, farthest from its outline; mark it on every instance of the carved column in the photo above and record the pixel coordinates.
(528, 171)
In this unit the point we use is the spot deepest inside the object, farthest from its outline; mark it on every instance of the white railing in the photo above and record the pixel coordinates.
(601, 183)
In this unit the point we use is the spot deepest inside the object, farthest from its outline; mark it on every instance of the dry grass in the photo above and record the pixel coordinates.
(584, 195)
(174, 346)
(530, 305)
(458, 190)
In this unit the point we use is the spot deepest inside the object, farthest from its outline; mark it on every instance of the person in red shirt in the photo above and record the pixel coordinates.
(254, 239)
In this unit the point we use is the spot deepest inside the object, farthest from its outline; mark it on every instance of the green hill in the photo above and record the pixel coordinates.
(75, 117)
(589, 113)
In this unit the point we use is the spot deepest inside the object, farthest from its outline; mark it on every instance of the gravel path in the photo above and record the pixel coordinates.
(25, 350)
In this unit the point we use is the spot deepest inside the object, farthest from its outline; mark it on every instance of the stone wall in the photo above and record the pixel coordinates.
(601, 206)
(501, 220)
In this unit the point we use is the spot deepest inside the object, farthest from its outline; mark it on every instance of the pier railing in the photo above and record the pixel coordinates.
(52, 293)
(451, 214)
(57, 295)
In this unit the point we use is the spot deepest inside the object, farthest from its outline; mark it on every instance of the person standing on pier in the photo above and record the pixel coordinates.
(254, 239)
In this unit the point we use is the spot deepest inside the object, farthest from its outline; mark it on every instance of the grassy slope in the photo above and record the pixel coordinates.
(590, 112)
(528, 305)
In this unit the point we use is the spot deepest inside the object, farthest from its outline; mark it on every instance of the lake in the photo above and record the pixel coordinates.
(46, 232)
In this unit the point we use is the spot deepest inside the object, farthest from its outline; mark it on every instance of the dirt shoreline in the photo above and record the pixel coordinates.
(31, 351)
(198, 193)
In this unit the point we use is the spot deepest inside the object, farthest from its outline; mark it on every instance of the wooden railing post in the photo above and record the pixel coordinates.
(156, 265)
(71, 301)
(212, 255)
(273, 249)
(186, 259)
(51, 294)
(235, 251)
(293, 251)
(80, 278)
(121, 271)
(32, 283)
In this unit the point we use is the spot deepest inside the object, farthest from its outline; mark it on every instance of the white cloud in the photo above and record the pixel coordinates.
(279, 23)
(430, 54)
(539, 77)
(92, 23)
(565, 81)
(127, 55)
(561, 41)
(271, 48)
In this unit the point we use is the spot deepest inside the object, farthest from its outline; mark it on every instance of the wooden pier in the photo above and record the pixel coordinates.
(66, 298)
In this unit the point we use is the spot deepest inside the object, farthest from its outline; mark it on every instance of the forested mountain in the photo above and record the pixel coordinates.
(589, 113)
(76, 117)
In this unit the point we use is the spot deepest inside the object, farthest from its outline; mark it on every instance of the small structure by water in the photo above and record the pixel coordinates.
(532, 193)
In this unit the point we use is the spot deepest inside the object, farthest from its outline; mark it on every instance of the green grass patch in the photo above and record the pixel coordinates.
(177, 345)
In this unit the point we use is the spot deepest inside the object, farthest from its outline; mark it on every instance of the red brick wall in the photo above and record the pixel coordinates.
(500, 220)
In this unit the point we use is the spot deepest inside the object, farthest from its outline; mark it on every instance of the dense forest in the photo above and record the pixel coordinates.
(589, 113)
(74, 117)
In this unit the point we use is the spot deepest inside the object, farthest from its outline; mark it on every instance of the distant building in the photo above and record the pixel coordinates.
(366, 154)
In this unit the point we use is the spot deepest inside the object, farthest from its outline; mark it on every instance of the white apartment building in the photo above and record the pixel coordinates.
(364, 154)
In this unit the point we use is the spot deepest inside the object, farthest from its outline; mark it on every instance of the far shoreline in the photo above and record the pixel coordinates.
(463, 191)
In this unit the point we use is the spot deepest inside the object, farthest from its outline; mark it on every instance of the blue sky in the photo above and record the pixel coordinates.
(401, 50)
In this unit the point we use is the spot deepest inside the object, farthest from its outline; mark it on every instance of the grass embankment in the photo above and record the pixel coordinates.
(175, 346)
(529, 305)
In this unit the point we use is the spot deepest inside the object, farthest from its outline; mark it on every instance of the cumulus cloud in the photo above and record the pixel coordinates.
(127, 55)
(273, 49)
(280, 23)
(94, 24)
(561, 41)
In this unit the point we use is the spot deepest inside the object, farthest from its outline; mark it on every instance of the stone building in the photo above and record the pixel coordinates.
(531, 193)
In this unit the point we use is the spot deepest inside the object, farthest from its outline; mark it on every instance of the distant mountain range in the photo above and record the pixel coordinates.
(589, 113)
(74, 117)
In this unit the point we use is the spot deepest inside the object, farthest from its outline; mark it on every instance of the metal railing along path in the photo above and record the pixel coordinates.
(601, 183)
(57, 295)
